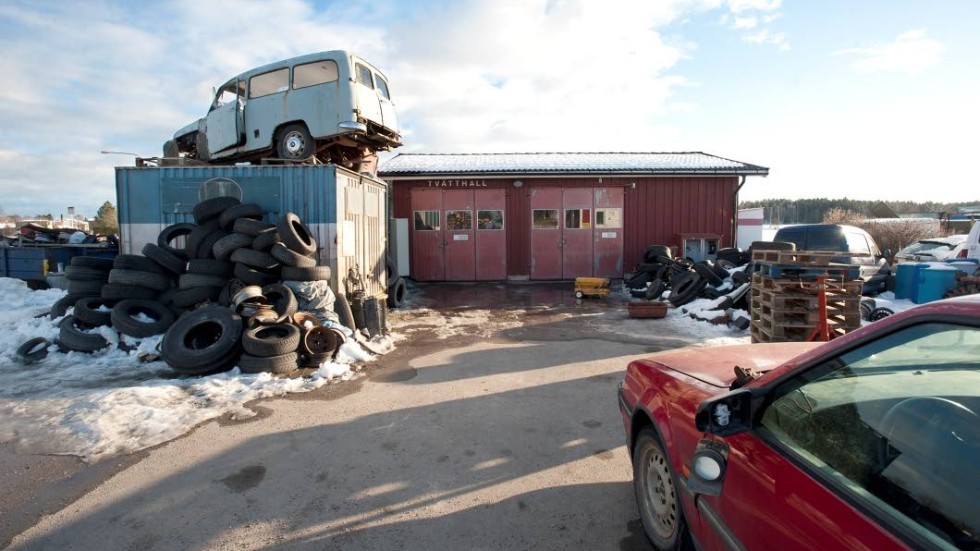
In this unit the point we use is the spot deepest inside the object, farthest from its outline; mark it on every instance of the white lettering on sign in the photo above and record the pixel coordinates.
(457, 183)
(461, 237)
(609, 235)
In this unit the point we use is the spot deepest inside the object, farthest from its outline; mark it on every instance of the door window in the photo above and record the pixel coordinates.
(856, 243)
(578, 219)
(459, 220)
(427, 220)
(363, 75)
(311, 74)
(228, 93)
(544, 219)
(269, 83)
(489, 219)
(609, 218)
(894, 425)
(382, 86)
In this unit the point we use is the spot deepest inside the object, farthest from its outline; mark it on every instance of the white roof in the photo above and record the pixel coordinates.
(593, 163)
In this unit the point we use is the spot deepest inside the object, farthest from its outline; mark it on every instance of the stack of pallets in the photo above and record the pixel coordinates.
(785, 295)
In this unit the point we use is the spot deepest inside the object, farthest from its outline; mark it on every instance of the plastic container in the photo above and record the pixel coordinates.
(907, 279)
(934, 281)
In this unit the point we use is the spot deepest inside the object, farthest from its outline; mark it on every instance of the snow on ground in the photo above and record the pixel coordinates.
(474, 322)
(108, 403)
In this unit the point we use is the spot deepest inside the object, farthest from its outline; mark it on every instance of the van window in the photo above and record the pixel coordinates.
(269, 83)
(856, 243)
(382, 86)
(363, 75)
(826, 239)
(311, 74)
(793, 235)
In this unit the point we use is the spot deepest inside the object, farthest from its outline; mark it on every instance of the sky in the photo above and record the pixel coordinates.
(866, 100)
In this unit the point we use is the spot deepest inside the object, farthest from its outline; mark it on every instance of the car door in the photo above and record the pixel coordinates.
(366, 97)
(874, 448)
(388, 118)
(225, 120)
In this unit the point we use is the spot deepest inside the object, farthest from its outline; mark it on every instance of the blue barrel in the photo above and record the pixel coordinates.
(907, 279)
(934, 282)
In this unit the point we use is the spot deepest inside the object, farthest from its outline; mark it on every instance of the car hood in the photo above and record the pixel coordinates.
(189, 129)
(716, 365)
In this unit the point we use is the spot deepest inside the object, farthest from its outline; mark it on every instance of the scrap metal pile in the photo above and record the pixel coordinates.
(239, 291)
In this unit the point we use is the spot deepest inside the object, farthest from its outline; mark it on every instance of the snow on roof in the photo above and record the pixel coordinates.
(592, 163)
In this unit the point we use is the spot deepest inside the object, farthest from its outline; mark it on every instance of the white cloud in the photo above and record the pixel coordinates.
(739, 6)
(765, 37)
(754, 18)
(910, 52)
(745, 23)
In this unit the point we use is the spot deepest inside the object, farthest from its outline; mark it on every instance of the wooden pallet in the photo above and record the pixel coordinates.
(835, 301)
(850, 287)
(805, 271)
(774, 320)
(760, 334)
(811, 258)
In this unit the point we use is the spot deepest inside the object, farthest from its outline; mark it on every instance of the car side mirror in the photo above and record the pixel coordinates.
(727, 414)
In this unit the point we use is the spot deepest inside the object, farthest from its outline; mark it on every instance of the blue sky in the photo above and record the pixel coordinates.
(869, 100)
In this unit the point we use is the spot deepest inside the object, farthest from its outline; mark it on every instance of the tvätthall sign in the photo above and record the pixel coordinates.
(457, 183)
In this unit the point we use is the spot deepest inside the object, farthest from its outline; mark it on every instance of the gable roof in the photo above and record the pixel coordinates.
(685, 163)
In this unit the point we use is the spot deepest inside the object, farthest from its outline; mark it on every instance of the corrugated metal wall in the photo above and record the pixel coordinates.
(656, 211)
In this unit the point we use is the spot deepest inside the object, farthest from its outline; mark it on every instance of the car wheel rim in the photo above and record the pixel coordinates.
(295, 144)
(660, 498)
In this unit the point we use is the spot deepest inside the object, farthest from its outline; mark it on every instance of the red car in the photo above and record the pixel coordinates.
(870, 441)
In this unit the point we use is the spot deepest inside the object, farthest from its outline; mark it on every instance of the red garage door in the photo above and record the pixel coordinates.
(576, 232)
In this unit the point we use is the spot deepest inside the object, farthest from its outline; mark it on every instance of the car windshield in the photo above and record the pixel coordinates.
(881, 419)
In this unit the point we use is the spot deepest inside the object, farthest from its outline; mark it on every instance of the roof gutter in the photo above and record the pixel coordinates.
(564, 174)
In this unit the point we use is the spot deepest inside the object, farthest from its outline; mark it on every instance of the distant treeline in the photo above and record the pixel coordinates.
(812, 211)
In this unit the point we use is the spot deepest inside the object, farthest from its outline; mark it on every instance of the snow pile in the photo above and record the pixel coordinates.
(110, 402)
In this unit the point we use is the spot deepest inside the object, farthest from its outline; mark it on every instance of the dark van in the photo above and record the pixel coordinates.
(848, 239)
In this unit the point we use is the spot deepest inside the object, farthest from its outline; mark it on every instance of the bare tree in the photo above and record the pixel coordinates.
(895, 234)
(838, 215)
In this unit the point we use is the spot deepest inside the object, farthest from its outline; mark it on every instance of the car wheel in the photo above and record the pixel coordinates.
(656, 493)
(294, 143)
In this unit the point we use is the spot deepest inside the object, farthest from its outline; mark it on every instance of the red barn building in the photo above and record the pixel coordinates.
(554, 216)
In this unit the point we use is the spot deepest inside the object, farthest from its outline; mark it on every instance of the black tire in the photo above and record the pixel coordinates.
(150, 280)
(653, 251)
(741, 278)
(314, 273)
(136, 262)
(62, 305)
(294, 143)
(657, 492)
(392, 270)
(206, 249)
(90, 310)
(271, 340)
(280, 252)
(33, 350)
(124, 322)
(685, 287)
(265, 241)
(313, 361)
(281, 298)
(202, 341)
(211, 209)
(320, 340)
(772, 246)
(103, 264)
(190, 281)
(295, 236)
(639, 280)
(725, 265)
(655, 289)
(229, 289)
(116, 291)
(649, 268)
(83, 273)
(279, 365)
(880, 313)
(244, 210)
(252, 276)
(172, 232)
(173, 263)
(397, 293)
(705, 269)
(71, 336)
(85, 288)
(682, 264)
(252, 227)
(344, 314)
(731, 254)
(188, 298)
(211, 267)
(228, 244)
(196, 237)
(254, 259)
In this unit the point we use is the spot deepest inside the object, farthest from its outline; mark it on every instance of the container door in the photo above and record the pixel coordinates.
(428, 243)
(608, 233)
(491, 242)
(577, 225)
(457, 204)
(225, 121)
(546, 233)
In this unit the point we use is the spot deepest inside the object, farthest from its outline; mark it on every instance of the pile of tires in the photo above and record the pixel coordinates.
(215, 290)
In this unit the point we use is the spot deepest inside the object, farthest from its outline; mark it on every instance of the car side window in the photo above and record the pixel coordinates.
(228, 93)
(311, 74)
(269, 83)
(382, 86)
(894, 425)
(856, 243)
(363, 75)
(797, 237)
